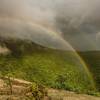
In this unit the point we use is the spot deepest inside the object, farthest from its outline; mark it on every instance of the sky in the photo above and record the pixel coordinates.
(59, 24)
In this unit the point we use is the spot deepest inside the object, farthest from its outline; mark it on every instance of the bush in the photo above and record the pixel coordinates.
(38, 91)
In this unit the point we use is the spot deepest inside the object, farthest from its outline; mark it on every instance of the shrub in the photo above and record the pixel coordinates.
(38, 91)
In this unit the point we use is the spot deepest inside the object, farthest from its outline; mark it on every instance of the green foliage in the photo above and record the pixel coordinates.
(52, 68)
(38, 91)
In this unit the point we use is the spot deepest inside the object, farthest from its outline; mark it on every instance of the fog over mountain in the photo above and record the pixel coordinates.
(52, 23)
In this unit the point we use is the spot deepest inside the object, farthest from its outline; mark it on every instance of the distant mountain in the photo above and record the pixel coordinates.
(92, 59)
(18, 47)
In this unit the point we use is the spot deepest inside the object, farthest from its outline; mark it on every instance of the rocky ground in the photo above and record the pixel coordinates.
(20, 90)
(66, 95)
(16, 90)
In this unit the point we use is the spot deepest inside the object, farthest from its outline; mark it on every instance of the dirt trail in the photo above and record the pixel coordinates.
(20, 90)
(66, 95)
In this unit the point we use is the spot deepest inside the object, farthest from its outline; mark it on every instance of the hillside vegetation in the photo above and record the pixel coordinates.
(52, 68)
(92, 59)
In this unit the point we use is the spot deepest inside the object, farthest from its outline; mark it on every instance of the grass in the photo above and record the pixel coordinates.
(48, 68)
(52, 68)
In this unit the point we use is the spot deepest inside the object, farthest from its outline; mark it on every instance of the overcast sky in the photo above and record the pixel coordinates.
(53, 23)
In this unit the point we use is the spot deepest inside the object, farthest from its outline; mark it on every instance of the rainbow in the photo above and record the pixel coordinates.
(52, 33)
(76, 54)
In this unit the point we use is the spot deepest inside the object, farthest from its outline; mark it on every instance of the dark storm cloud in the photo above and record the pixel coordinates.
(77, 21)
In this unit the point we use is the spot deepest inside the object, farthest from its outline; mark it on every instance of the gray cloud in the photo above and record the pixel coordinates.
(17, 29)
(79, 21)
(76, 22)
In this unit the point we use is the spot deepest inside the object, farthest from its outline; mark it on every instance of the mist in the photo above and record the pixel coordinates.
(58, 24)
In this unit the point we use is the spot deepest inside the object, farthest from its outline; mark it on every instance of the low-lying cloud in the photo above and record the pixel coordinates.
(52, 23)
